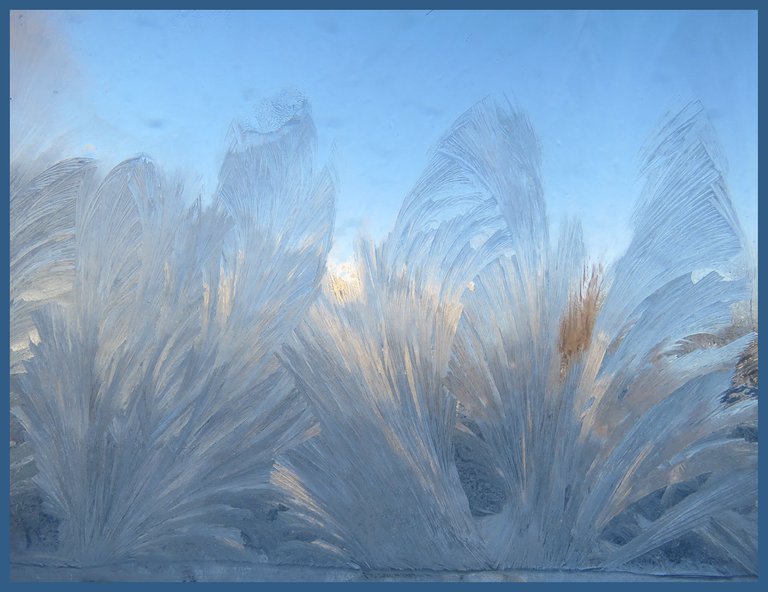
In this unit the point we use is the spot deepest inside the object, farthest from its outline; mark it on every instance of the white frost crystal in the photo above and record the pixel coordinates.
(467, 395)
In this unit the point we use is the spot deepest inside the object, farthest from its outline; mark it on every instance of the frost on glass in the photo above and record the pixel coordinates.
(151, 401)
(600, 395)
(190, 383)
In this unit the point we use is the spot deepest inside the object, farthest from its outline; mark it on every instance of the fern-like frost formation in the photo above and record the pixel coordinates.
(190, 382)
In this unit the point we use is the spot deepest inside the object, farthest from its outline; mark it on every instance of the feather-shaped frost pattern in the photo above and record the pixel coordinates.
(155, 393)
(684, 220)
(635, 408)
(189, 380)
(481, 193)
(372, 369)
(42, 249)
(386, 351)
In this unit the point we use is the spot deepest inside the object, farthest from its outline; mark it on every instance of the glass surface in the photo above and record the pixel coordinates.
(480, 385)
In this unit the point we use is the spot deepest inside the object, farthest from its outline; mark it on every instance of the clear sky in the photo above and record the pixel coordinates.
(384, 86)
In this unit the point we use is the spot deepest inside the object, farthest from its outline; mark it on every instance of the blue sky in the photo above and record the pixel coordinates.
(385, 85)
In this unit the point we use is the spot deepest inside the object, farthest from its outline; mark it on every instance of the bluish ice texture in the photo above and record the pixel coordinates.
(191, 382)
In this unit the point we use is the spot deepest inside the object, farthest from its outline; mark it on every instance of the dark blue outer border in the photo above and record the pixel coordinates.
(6, 584)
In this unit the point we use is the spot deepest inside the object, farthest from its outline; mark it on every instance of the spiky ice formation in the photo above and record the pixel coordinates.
(473, 396)
(586, 403)
(42, 249)
(380, 482)
(584, 387)
(152, 401)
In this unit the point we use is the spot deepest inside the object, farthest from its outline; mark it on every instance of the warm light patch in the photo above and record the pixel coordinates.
(579, 319)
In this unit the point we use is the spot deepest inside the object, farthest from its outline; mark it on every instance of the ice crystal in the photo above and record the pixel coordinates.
(188, 381)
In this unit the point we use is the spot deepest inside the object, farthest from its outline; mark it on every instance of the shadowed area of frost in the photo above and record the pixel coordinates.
(475, 394)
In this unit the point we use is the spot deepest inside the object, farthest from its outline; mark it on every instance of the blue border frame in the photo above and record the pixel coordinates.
(5, 582)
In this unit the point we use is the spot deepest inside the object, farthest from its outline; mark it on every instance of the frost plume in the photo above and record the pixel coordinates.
(469, 394)
(153, 401)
